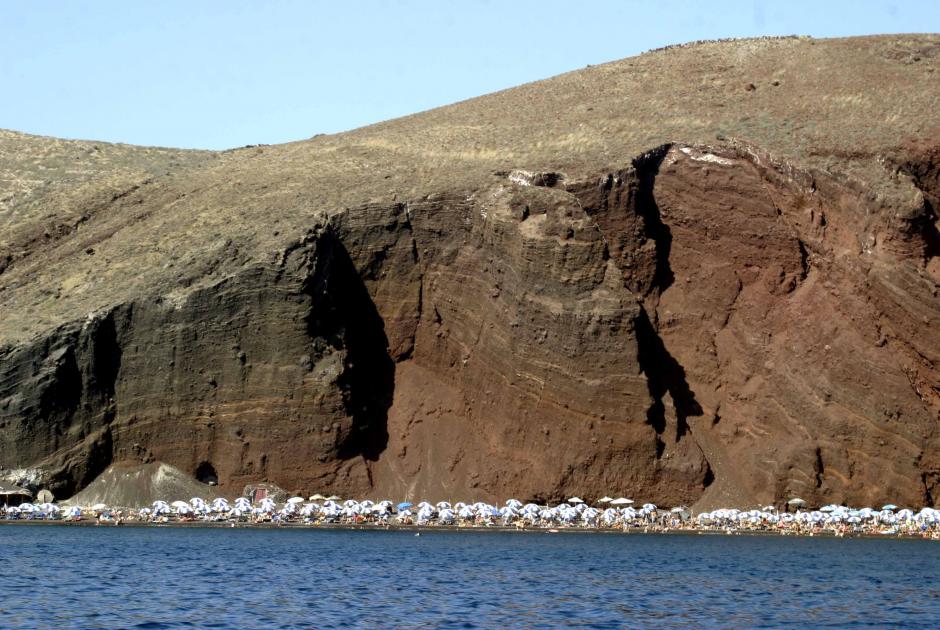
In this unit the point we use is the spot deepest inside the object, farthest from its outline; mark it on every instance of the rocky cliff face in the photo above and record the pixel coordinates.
(722, 321)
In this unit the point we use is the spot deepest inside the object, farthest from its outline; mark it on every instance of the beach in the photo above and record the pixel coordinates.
(565, 518)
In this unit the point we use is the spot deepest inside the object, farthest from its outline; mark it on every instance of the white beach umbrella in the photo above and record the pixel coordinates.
(605, 499)
(293, 500)
(590, 515)
(575, 500)
(621, 501)
(179, 504)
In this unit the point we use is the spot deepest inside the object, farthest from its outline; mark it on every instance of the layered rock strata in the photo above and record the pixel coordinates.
(692, 322)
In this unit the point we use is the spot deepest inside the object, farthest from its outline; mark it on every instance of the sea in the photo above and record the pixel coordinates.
(136, 577)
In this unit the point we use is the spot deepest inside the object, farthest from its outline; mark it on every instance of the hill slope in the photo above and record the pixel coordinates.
(708, 273)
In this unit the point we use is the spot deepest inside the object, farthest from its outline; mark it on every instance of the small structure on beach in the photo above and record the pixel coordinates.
(255, 492)
(14, 495)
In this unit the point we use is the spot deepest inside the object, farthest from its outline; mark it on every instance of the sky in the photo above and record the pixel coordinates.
(221, 74)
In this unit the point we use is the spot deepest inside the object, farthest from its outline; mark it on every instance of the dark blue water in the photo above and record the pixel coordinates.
(229, 578)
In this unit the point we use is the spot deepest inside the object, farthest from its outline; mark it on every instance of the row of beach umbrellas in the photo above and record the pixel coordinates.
(609, 512)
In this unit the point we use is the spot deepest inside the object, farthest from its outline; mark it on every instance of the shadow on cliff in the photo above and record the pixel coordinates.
(664, 374)
(344, 316)
(63, 420)
(647, 168)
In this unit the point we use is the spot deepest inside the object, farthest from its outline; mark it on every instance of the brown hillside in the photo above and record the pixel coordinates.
(707, 273)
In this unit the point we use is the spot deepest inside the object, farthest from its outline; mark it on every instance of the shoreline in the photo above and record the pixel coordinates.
(420, 529)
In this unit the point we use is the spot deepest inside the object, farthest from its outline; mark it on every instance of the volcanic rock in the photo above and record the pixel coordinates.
(137, 486)
(635, 279)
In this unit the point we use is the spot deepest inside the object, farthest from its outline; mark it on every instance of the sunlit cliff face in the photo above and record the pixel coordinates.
(428, 308)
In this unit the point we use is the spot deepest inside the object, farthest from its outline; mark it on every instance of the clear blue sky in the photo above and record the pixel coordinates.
(228, 73)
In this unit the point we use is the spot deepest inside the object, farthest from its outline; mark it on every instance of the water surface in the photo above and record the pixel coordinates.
(112, 577)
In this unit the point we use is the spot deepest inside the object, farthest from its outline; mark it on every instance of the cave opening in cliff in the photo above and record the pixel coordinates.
(205, 473)
(345, 317)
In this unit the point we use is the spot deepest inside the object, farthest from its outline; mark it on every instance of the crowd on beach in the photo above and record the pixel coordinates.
(605, 514)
